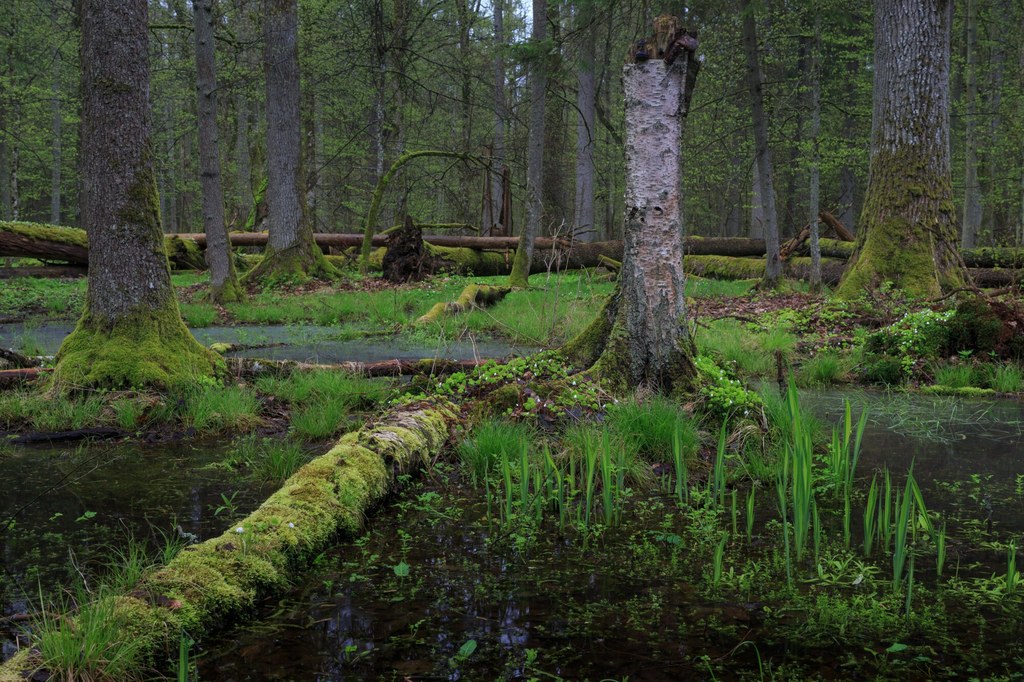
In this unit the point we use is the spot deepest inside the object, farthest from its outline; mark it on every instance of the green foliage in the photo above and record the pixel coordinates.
(915, 338)
(350, 390)
(318, 419)
(220, 408)
(723, 395)
(492, 441)
(1006, 378)
(824, 369)
(49, 413)
(652, 425)
(272, 459)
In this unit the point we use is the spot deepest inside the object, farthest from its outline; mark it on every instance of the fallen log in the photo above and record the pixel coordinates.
(44, 271)
(94, 433)
(10, 359)
(724, 267)
(836, 226)
(248, 368)
(12, 378)
(214, 583)
(474, 295)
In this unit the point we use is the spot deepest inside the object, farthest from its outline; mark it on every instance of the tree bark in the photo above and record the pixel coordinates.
(642, 330)
(56, 121)
(755, 84)
(584, 228)
(131, 333)
(520, 276)
(223, 281)
(972, 191)
(908, 226)
(494, 212)
(815, 92)
(291, 252)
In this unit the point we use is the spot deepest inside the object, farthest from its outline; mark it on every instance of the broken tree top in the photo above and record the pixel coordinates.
(668, 42)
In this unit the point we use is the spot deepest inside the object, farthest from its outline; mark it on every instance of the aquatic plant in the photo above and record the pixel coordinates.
(491, 441)
(871, 516)
(824, 369)
(319, 419)
(216, 408)
(940, 551)
(680, 468)
(654, 425)
(750, 516)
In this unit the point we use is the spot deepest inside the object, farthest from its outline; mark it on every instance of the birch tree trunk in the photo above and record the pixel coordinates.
(520, 276)
(755, 84)
(584, 229)
(223, 281)
(290, 252)
(641, 336)
(131, 333)
(907, 232)
(972, 192)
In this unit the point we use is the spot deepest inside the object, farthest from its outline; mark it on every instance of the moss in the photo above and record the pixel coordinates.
(209, 583)
(974, 326)
(222, 348)
(147, 348)
(962, 391)
(584, 350)
(298, 263)
(50, 233)
(470, 261)
(184, 254)
(473, 295)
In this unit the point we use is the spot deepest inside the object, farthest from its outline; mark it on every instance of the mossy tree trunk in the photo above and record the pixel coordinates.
(291, 252)
(223, 280)
(908, 232)
(131, 333)
(641, 333)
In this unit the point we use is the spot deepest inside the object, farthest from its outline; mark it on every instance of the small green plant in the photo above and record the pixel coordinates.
(271, 459)
(88, 645)
(723, 395)
(128, 413)
(492, 442)
(824, 369)
(318, 419)
(217, 408)
(654, 426)
(956, 376)
(1006, 378)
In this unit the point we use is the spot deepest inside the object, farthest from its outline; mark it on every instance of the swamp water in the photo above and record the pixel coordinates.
(74, 506)
(305, 343)
(438, 588)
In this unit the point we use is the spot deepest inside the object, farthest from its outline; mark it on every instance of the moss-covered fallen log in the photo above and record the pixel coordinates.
(215, 583)
(248, 368)
(725, 267)
(474, 295)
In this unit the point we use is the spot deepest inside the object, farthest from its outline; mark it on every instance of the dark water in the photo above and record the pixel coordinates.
(628, 606)
(72, 506)
(306, 343)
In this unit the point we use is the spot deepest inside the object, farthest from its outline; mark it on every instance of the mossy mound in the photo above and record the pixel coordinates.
(147, 348)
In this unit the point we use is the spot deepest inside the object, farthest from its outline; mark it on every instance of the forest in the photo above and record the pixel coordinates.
(592, 340)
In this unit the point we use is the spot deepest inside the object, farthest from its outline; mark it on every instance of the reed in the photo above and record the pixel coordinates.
(719, 560)
(607, 489)
(682, 488)
(750, 516)
(940, 551)
(871, 516)
(718, 479)
(904, 505)
(1012, 576)
(886, 509)
(734, 512)
(800, 454)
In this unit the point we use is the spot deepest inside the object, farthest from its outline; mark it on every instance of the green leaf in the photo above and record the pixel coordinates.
(401, 570)
(896, 648)
(467, 649)
(86, 516)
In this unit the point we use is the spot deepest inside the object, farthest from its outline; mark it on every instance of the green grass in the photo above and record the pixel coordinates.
(198, 314)
(50, 413)
(128, 413)
(220, 408)
(956, 376)
(271, 459)
(701, 287)
(651, 425)
(318, 419)
(584, 440)
(824, 369)
(349, 390)
(492, 441)
(1006, 378)
(89, 646)
(734, 346)
(56, 298)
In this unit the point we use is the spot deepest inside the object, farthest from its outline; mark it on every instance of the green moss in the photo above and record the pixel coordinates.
(184, 254)
(584, 350)
(962, 391)
(299, 263)
(50, 233)
(147, 348)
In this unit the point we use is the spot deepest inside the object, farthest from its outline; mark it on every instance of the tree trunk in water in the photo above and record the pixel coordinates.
(815, 92)
(291, 252)
(223, 281)
(131, 333)
(643, 326)
(907, 232)
(755, 84)
(520, 276)
(584, 228)
(972, 192)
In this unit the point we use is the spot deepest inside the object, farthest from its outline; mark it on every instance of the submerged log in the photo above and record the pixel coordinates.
(209, 585)
(45, 271)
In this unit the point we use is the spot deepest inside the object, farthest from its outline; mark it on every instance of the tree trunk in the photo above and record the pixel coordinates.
(291, 252)
(131, 333)
(584, 228)
(755, 84)
(972, 191)
(520, 276)
(756, 230)
(907, 234)
(815, 92)
(494, 212)
(642, 329)
(223, 281)
(55, 130)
